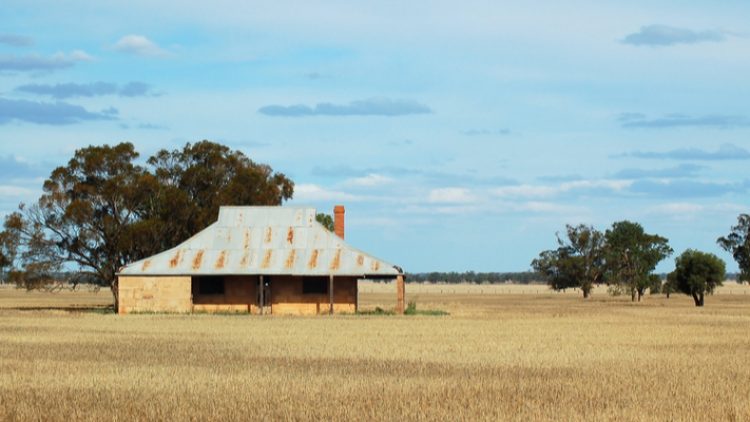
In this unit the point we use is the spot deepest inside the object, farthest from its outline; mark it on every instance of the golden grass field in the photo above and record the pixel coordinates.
(503, 353)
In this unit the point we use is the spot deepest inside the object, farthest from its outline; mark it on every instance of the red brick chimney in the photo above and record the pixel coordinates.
(338, 220)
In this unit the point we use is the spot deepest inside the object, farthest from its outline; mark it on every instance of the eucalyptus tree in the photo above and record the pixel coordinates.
(737, 242)
(697, 273)
(103, 209)
(578, 260)
(631, 255)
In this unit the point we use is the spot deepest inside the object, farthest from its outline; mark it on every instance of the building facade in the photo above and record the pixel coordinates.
(276, 260)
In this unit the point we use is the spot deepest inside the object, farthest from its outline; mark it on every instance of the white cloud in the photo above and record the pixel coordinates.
(80, 55)
(546, 191)
(140, 46)
(451, 195)
(312, 192)
(370, 180)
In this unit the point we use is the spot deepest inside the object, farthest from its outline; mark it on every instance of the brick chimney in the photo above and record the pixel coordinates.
(338, 220)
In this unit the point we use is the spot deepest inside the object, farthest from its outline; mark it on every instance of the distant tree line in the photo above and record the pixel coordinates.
(624, 257)
(525, 277)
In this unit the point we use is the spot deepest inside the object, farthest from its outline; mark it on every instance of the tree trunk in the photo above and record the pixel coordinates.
(113, 286)
(586, 289)
(698, 299)
(667, 294)
(632, 295)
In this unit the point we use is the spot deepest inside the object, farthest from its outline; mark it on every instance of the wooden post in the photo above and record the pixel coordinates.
(400, 293)
(262, 289)
(330, 294)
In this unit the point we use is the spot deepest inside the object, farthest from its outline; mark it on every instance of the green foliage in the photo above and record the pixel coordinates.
(631, 255)
(577, 262)
(411, 309)
(326, 220)
(32, 256)
(697, 273)
(191, 184)
(102, 211)
(377, 311)
(737, 242)
(654, 284)
(670, 285)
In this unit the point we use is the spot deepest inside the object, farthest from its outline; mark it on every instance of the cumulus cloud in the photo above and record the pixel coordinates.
(721, 121)
(139, 46)
(682, 170)
(724, 152)
(34, 62)
(16, 40)
(94, 89)
(58, 113)
(396, 172)
(312, 192)
(663, 35)
(576, 186)
(368, 107)
(369, 180)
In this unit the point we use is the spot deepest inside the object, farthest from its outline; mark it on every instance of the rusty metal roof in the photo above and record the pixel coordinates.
(263, 240)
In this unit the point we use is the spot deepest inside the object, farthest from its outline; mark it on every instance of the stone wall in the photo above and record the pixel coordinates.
(154, 294)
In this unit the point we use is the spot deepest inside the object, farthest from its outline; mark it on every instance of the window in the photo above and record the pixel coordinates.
(315, 285)
(211, 285)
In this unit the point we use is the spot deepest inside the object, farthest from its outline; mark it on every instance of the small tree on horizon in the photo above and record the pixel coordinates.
(697, 273)
(577, 262)
(737, 242)
(632, 255)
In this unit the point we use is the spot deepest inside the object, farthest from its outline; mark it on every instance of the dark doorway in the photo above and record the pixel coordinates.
(264, 299)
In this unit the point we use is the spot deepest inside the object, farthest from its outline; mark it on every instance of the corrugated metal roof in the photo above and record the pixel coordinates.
(263, 240)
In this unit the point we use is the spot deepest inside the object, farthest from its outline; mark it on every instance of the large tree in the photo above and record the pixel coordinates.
(697, 273)
(737, 242)
(577, 262)
(198, 179)
(632, 255)
(102, 210)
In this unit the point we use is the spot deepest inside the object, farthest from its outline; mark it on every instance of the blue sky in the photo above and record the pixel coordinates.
(460, 136)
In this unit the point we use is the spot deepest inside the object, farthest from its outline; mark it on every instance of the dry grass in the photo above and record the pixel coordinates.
(499, 356)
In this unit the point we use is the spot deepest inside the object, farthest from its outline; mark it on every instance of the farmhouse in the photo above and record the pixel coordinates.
(277, 260)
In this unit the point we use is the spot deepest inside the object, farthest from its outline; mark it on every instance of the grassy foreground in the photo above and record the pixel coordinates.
(497, 356)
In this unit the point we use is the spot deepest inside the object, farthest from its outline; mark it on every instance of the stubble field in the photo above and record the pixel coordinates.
(503, 353)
